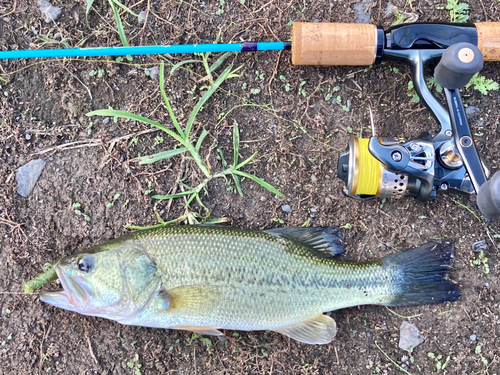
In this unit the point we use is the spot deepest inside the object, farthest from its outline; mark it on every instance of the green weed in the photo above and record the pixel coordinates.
(459, 12)
(119, 24)
(439, 362)
(482, 261)
(189, 142)
(482, 84)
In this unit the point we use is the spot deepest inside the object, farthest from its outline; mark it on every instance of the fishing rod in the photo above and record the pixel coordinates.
(382, 167)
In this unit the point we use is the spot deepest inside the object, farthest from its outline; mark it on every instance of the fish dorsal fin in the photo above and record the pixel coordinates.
(319, 330)
(325, 241)
(207, 331)
(191, 298)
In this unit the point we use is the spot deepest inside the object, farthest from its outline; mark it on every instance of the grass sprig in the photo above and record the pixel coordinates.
(189, 143)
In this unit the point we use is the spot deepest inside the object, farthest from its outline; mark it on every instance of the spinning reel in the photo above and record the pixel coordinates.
(422, 167)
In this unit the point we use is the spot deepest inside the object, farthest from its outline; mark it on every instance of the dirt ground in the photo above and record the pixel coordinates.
(297, 134)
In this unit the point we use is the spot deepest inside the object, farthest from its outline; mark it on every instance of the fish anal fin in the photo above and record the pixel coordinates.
(208, 331)
(318, 330)
(325, 242)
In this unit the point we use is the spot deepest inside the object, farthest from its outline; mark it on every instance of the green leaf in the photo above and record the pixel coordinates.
(87, 10)
(236, 144)
(237, 184)
(219, 62)
(161, 156)
(204, 98)
(179, 64)
(239, 166)
(172, 196)
(119, 24)
(167, 102)
(261, 182)
(203, 134)
(132, 116)
(125, 8)
(223, 160)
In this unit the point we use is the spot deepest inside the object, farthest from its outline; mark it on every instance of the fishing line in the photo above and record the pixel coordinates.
(368, 169)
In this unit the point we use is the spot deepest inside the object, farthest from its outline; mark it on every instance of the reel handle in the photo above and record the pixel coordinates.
(488, 197)
(365, 44)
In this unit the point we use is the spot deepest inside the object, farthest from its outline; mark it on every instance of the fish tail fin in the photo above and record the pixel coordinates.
(422, 275)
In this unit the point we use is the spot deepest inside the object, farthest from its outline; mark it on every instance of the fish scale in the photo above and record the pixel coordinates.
(205, 278)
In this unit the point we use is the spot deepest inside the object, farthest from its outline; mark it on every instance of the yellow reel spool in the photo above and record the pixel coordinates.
(367, 170)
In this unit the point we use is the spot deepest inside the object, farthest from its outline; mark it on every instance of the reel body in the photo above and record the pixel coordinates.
(383, 167)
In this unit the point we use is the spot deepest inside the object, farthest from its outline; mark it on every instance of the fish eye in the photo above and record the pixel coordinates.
(85, 264)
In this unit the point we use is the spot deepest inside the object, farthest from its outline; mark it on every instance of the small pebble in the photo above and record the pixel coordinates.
(58, 36)
(382, 247)
(313, 210)
(405, 358)
(154, 72)
(105, 120)
(50, 12)
(51, 159)
(142, 17)
(409, 336)
(28, 136)
(479, 246)
(314, 179)
(28, 175)
(471, 111)
(473, 337)
(328, 200)
(286, 208)
(349, 103)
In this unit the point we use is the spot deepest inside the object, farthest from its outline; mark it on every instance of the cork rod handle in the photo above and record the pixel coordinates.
(333, 43)
(488, 40)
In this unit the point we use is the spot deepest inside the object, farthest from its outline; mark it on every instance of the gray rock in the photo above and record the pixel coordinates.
(286, 208)
(360, 15)
(28, 136)
(473, 337)
(142, 17)
(409, 336)
(328, 200)
(314, 179)
(471, 111)
(479, 246)
(28, 175)
(154, 72)
(50, 12)
(105, 120)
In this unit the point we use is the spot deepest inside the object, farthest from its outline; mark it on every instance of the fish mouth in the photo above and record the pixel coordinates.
(73, 296)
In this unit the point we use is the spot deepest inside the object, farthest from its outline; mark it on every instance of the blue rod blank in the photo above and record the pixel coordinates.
(142, 50)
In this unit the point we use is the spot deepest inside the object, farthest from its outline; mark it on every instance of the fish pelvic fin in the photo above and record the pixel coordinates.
(207, 331)
(326, 242)
(320, 329)
(422, 275)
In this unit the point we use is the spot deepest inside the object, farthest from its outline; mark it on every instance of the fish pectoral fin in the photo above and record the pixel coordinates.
(191, 298)
(208, 331)
(318, 330)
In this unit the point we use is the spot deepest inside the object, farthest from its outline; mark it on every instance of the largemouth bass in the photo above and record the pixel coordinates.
(203, 279)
